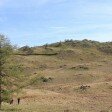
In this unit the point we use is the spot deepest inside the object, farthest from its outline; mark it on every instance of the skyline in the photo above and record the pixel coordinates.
(37, 22)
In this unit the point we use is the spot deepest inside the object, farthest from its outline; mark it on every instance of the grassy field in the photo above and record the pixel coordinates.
(54, 82)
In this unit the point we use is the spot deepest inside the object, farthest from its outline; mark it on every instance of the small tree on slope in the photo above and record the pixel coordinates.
(9, 73)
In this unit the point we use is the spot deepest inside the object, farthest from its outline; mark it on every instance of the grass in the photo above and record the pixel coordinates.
(79, 66)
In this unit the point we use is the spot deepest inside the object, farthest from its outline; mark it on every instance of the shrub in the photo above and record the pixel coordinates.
(106, 49)
(26, 50)
(44, 79)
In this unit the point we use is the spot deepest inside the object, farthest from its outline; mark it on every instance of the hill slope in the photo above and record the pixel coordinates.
(70, 76)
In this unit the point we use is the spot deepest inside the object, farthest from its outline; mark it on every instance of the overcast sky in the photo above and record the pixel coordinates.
(36, 22)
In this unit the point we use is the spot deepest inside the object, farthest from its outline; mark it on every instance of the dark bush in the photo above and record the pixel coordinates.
(43, 79)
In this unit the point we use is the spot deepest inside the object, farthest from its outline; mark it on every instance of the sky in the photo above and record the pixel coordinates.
(37, 22)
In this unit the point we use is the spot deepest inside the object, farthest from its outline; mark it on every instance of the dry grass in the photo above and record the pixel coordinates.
(63, 93)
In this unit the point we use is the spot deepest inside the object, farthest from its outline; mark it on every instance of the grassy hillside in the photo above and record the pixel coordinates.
(70, 76)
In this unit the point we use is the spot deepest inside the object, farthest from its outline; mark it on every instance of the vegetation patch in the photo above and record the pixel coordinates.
(106, 48)
(80, 67)
(40, 79)
(64, 54)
